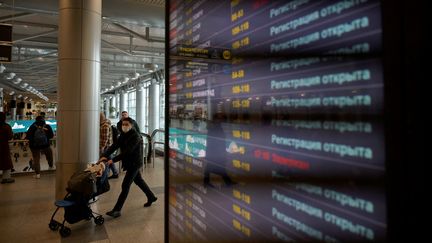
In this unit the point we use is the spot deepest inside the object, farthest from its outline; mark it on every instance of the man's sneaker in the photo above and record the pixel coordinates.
(114, 214)
(8, 180)
(113, 176)
(37, 176)
(150, 201)
(51, 168)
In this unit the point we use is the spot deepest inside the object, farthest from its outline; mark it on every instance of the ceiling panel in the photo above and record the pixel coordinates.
(35, 25)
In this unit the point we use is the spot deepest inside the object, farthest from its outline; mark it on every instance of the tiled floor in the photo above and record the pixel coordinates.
(26, 207)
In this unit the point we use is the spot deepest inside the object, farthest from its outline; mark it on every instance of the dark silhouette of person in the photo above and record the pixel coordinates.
(5, 159)
(216, 151)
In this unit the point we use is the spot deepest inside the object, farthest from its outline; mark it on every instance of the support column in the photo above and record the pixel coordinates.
(78, 89)
(111, 104)
(153, 107)
(21, 110)
(1, 99)
(122, 103)
(117, 104)
(14, 110)
(107, 105)
(140, 112)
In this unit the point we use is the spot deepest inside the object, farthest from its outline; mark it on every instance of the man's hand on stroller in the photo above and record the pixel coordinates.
(102, 159)
(105, 160)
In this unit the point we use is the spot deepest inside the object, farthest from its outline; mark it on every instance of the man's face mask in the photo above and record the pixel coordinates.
(126, 128)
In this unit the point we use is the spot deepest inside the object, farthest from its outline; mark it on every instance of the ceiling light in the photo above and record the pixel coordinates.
(2, 68)
(24, 85)
(17, 80)
(25, 98)
(19, 96)
(11, 76)
(12, 93)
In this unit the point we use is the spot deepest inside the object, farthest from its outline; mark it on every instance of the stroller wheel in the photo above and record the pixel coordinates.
(99, 220)
(53, 225)
(65, 231)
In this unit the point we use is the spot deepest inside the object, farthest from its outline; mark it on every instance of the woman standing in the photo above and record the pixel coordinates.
(5, 158)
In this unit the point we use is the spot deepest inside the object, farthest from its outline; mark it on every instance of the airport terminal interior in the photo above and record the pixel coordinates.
(212, 121)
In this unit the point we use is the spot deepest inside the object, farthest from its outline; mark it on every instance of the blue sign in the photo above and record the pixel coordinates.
(23, 125)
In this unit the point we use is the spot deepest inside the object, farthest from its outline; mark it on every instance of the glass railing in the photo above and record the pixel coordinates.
(21, 156)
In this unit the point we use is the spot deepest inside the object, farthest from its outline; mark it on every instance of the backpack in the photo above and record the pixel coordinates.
(114, 133)
(40, 138)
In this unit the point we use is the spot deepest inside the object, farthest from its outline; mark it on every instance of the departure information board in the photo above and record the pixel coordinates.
(276, 121)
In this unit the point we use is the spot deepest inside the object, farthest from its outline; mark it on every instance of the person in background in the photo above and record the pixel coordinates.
(216, 153)
(5, 158)
(106, 140)
(39, 135)
(131, 155)
(124, 115)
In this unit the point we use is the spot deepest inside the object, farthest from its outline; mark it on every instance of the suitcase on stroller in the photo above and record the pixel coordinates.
(82, 187)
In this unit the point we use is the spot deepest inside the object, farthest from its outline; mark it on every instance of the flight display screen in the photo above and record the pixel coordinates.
(276, 121)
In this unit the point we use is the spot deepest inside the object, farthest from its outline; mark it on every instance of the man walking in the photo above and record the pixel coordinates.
(131, 154)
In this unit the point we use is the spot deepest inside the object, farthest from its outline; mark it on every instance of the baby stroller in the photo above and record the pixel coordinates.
(82, 187)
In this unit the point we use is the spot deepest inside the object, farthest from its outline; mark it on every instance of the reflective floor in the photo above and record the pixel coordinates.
(26, 207)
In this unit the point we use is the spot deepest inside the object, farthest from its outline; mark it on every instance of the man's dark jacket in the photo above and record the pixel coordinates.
(131, 150)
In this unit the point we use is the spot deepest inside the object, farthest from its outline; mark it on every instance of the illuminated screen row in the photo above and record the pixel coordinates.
(276, 129)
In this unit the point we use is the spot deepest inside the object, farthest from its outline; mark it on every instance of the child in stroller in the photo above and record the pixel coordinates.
(82, 187)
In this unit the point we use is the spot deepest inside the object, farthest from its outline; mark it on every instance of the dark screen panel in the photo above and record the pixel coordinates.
(5, 33)
(276, 129)
(21, 105)
(12, 104)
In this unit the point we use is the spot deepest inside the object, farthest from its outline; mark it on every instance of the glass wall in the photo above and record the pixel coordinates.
(131, 103)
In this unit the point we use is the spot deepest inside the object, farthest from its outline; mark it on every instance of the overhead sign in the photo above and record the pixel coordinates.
(5, 43)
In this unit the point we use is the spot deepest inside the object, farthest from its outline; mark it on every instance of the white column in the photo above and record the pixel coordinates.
(1, 99)
(140, 112)
(153, 107)
(122, 102)
(111, 104)
(21, 111)
(14, 110)
(107, 105)
(117, 95)
(78, 89)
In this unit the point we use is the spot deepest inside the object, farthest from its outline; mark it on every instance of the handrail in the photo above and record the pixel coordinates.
(154, 133)
(148, 148)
